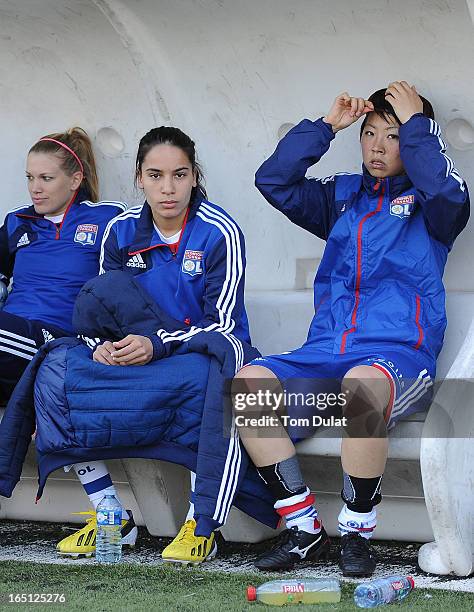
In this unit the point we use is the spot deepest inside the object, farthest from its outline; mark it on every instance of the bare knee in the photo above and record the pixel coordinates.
(368, 385)
(255, 371)
(253, 380)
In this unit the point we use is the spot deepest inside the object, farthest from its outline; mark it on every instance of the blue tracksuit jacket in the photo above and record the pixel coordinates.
(49, 264)
(198, 281)
(379, 282)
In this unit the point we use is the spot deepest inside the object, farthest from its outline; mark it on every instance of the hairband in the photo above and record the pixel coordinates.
(64, 146)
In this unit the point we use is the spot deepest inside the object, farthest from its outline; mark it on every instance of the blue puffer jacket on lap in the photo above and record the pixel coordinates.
(174, 409)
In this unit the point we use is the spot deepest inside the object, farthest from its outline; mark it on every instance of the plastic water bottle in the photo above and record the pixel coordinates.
(383, 591)
(108, 546)
(287, 592)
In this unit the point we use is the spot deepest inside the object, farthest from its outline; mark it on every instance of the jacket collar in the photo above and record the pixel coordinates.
(143, 238)
(30, 212)
(396, 184)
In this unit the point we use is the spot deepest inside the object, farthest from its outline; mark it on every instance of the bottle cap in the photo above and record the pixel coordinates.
(251, 593)
(411, 581)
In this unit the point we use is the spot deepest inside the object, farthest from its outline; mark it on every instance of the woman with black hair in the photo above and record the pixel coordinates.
(189, 255)
(379, 306)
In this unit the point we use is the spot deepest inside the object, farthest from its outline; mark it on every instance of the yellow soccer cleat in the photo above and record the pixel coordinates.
(187, 548)
(81, 543)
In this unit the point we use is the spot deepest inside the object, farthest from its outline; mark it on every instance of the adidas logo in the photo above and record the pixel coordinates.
(24, 240)
(136, 262)
(46, 335)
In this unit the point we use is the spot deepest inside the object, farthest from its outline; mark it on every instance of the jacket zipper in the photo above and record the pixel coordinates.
(359, 264)
(174, 248)
(56, 227)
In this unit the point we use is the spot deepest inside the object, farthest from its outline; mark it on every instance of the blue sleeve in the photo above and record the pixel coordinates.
(110, 256)
(7, 260)
(223, 299)
(109, 259)
(443, 194)
(307, 202)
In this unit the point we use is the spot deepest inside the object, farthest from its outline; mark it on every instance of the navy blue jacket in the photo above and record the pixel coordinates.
(174, 409)
(199, 280)
(379, 282)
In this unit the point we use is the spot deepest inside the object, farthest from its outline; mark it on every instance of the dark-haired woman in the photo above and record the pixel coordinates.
(380, 316)
(49, 249)
(189, 255)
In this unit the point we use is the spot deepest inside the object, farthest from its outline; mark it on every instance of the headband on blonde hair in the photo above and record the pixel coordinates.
(64, 146)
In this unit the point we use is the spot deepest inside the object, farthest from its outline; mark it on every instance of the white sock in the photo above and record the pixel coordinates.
(95, 478)
(305, 517)
(190, 514)
(363, 523)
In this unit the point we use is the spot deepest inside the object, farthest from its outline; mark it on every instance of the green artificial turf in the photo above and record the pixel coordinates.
(127, 587)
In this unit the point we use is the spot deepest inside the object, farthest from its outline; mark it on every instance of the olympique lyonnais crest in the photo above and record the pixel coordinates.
(193, 263)
(402, 207)
(86, 234)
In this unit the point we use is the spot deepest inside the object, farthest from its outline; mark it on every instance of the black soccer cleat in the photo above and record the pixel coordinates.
(356, 558)
(294, 545)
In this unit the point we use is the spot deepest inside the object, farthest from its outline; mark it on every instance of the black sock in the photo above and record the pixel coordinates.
(283, 478)
(361, 494)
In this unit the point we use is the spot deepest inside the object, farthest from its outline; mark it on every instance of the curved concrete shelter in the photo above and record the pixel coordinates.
(236, 76)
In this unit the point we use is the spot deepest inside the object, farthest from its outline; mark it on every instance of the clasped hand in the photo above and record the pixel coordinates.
(132, 350)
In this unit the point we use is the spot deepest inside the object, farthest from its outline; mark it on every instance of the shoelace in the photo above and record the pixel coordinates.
(355, 547)
(89, 513)
(188, 532)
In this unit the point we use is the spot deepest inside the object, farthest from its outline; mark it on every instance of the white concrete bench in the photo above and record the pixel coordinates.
(428, 485)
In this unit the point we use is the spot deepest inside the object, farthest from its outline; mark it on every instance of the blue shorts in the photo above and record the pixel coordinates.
(410, 376)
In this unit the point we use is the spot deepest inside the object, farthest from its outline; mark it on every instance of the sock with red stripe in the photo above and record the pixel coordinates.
(358, 513)
(362, 523)
(298, 511)
(294, 500)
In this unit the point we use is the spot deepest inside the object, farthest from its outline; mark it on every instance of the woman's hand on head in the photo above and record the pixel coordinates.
(132, 350)
(346, 110)
(103, 353)
(404, 99)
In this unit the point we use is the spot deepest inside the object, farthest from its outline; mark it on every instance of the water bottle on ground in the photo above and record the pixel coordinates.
(287, 592)
(108, 546)
(383, 591)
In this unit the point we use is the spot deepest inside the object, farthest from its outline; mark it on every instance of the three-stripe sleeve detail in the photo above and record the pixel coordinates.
(21, 346)
(435, 130)
(227, 299)
(132, 213)
(229, 478)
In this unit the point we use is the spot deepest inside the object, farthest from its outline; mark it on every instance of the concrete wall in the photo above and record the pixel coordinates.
(230, 74)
